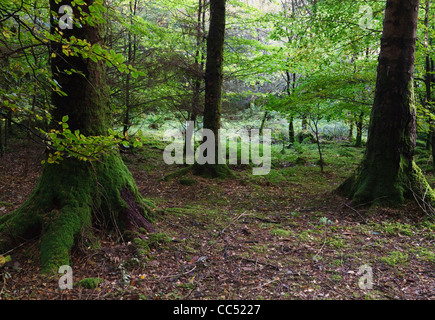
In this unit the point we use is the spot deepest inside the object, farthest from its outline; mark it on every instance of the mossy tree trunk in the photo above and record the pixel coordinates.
(213, 86)
(74, 197)
(388, 174)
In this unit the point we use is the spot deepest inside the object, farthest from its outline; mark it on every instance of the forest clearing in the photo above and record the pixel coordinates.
(217, 150)
(284, 235)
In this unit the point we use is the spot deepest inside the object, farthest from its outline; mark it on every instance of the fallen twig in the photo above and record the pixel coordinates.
(234, 220)
(356, 211)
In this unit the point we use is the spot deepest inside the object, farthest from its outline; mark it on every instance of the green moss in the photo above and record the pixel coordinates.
(187, 181)
(280, 233)
(89, 283)
(153, 240)
(395, 257)
(6, 204)
(212, 171)
(178, 173)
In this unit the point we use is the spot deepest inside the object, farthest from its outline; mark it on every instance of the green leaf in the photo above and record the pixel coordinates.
(4, 259)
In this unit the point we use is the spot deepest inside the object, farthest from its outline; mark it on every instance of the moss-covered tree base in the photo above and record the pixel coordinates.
(386, 186)
(70, 199)
(209, 171)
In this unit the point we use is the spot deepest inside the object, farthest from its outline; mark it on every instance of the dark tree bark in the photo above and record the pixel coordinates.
(350, 134)
(214, 66)
(213, 85)
(388, 174)
(290, 86)
(74, 196)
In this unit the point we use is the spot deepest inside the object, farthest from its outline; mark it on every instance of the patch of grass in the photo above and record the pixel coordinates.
(187, 181)
(336, 278)
(394, 228)
(153, 240)
(336, 242)
(424, 254)
(308, 235)
(428, 228)
(395, 258)
(281, 233)
(5, 204)
(260, 248)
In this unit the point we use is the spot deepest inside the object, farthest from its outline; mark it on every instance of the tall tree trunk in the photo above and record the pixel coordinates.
(291, 84)
(213, 85)
(71, 197)
(388, 174)
(131, 56)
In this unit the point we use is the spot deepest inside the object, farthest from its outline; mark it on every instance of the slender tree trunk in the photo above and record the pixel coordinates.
(131, 56)
(388, 174)
(8, 128)
(263, 122)
(213, 85)
(74, 196)
(428, 76)
(315, 123)
(291, 131)
(359, 130)
(291, 84)
(199, 64)
(350, 135)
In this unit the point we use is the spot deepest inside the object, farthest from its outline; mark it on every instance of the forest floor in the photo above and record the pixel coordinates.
(281, 236)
